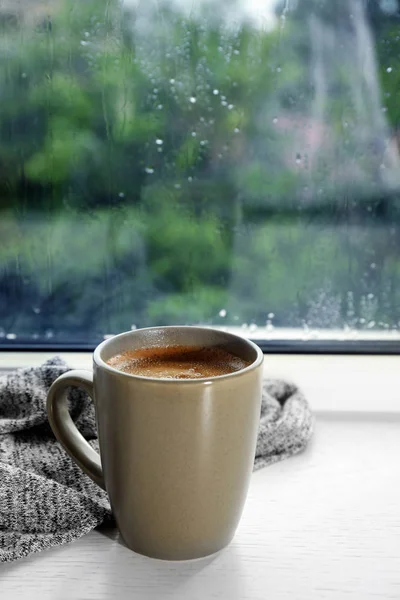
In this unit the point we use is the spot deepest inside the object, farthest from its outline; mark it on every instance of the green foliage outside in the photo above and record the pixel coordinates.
(147, 177)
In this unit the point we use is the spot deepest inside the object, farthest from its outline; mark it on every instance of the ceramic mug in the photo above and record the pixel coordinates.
(176, 454)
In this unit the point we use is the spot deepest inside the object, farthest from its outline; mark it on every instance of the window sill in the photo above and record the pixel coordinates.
(323, 525)
(331, 383)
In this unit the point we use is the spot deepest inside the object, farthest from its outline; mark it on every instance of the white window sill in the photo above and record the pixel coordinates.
(323, 525)
(367, 384)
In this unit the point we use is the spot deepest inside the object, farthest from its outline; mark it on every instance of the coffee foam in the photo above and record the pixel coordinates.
(178, 362)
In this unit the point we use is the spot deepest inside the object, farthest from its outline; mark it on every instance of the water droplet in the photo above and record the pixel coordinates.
(133, 327)
(107, 336)
(121, 195)
(253, 327)
(271, 315)
(155, 91)
(11, 336)
(298, 159)
(224, 103)
(190, 179)
(87, 34)
(373, 265)
(149, 170)
(192, 99)
(215, 92)
(236, 52)
(36, 310)
(172, 81)
(177, 186)
(236, 130)
(370, 296)
(384, 109)
(24, 75)
(275, 120)
(203, 142)
(159, 142)
(230, 106)
(194, 134)
(278, 69)
(389, 70)
(84, 43)
(159, 107)
(371, 324)
(222, 312)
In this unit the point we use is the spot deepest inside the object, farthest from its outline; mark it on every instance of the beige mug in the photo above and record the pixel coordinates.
(176, 454)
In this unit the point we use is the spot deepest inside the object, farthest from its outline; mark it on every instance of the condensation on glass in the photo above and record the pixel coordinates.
(226, 163)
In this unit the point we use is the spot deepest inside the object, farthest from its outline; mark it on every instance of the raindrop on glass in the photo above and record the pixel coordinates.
(275, 120)
(192, 99)
(11, 336)
(215, 92)
(149, 170)
(121, 195)
(222, 312)
(159, 142)
(389, 70)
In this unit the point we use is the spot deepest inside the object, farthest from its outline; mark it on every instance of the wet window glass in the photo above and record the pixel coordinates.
(233, 164)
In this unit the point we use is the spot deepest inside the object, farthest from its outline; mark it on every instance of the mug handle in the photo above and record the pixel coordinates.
(65, 429)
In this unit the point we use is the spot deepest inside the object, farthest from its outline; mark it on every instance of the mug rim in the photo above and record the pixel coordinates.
(99, 362)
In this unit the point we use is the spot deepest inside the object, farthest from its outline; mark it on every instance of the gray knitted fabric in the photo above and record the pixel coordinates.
(46, 500)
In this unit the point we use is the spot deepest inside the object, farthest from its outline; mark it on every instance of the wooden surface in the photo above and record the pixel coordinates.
(322, 525)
